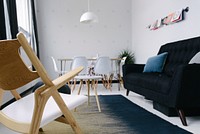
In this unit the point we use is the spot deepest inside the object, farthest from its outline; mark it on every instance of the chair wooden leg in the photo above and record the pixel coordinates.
(120, 80)
(107, 82)
(92, 84)
(37, 116)
(95, 83)
(104, 81)
(110, 79)
(66, 112)
(182, 116)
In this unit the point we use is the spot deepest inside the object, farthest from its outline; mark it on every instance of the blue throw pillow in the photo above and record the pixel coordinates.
(156, 63)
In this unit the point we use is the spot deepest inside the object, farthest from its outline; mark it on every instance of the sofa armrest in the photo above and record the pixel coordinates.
(186, 86)
(132, 68)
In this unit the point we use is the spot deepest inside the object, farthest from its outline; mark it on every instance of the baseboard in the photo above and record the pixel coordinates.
(100, 82)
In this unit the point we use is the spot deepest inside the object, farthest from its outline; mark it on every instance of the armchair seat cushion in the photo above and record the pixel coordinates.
(23, 108)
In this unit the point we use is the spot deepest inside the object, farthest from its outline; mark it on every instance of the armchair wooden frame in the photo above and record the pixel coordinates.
(14, 74)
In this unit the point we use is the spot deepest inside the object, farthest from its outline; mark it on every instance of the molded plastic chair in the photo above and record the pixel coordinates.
(56, 68)
(79, 61)
(59, 71)
(37, 109)
(103, 68)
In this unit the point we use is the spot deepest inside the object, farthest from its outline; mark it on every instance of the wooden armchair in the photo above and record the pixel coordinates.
(28, 114)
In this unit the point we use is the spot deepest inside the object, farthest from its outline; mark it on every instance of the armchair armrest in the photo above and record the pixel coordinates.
(186, 86)
(132, 68)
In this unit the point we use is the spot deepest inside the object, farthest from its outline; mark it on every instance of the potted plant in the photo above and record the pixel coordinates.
(130, 59)
(129, 54)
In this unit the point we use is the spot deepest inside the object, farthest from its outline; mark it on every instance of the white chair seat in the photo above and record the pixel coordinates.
(22, 110)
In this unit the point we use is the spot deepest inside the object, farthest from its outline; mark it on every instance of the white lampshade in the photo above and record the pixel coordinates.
(88, 17)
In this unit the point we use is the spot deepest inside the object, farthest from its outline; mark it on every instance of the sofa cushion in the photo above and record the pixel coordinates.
(179, 53)
(156, 82)
(156, 63)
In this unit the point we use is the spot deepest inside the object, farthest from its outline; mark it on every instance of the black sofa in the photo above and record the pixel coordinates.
(177, 87)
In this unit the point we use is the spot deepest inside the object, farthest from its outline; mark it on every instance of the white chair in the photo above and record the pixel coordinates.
(76, 62)
(59, 72)
(56, 68)
(80, 61)
(103, 68)
(46, 104)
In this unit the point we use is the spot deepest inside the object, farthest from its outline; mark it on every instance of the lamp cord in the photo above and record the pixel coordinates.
(88, 5)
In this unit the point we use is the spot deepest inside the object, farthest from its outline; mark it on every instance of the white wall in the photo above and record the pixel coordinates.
(146, 43)
(122, 24)
(62, 35)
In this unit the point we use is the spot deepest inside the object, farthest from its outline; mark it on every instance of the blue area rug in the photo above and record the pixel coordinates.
(118, 116)
(137, 119)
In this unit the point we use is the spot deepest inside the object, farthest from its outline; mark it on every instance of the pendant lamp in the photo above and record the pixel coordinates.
(89, 17)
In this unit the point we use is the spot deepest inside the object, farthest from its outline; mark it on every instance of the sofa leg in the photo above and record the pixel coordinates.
(182, 116)
(127, 92)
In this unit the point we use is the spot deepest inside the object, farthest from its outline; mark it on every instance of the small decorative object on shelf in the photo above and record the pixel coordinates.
(172, 18)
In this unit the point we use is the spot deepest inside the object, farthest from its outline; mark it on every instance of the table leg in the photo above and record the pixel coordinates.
(88, 87)
(97, 99)
(80, 86)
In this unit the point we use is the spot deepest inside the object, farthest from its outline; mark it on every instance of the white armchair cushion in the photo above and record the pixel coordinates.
(22, 110)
